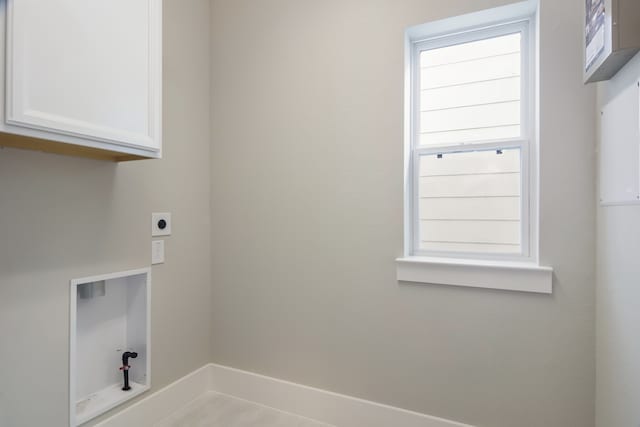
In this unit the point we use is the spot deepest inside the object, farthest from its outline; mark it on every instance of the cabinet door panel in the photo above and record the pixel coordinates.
(87, 68)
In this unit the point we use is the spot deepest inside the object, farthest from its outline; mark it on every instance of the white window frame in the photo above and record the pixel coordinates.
(517, 271)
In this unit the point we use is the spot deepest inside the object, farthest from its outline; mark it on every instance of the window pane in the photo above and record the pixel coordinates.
(477, 70)
(470, 202)
(472, 94)
(469, 135)
(473, 50)
(474, 117)
(471, 91)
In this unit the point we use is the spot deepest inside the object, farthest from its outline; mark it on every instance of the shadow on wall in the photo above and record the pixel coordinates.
(56, 211)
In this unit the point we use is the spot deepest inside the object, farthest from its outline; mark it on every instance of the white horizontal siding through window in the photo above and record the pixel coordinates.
(487, 92)
(491, 67)
(471, 91)
(471, 208)
(494, 115)
(468, 247)
(474, 50)
(487, 183)
(469, 135)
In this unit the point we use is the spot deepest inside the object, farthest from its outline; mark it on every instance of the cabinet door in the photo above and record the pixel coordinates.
(86, 68)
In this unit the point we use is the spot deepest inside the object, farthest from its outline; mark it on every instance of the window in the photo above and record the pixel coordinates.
(471, 152)
(472, 143)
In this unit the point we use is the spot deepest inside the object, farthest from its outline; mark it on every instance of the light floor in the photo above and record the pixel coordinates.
(219, 410)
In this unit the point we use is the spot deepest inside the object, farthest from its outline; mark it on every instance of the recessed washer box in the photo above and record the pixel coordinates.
(109, 315)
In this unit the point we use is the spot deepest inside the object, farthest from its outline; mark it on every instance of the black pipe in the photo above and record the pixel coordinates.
(125, 367)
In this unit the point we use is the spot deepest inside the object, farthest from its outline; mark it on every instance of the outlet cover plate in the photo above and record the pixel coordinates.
(156, 224)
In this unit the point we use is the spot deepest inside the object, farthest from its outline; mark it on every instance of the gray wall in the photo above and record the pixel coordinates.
(62, 218)
(618, 294)
(307, 221)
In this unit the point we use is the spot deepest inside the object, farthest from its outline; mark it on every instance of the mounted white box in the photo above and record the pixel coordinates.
(620, 145)
(109, 315)
(611, 37)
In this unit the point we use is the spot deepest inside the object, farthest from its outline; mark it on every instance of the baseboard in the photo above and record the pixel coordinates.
(162, 403)
(325, 406)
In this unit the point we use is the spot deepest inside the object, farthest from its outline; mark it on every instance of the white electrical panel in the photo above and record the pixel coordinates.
(620, 148)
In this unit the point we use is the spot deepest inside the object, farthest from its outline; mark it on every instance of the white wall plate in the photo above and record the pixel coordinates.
(161, 224)
(157, 252)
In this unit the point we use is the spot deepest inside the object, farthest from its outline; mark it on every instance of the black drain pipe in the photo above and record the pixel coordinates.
(125, 367)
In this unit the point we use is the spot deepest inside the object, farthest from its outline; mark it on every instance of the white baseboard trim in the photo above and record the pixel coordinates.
(162, 403)
(324, 406)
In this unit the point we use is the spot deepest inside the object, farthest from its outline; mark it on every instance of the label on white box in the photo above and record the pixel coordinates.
(157, 252)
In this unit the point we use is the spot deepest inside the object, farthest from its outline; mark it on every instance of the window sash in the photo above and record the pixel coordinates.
(523, 143)
(521, 26)
(520, 144)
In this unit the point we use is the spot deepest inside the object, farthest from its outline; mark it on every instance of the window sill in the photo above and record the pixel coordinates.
(512, 276)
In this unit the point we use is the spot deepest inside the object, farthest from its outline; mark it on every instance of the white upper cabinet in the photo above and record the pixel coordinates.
(85, 73)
